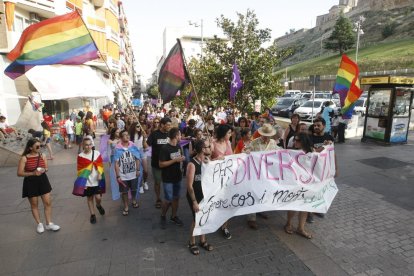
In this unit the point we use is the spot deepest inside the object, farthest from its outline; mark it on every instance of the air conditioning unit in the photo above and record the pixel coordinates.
(34, 17)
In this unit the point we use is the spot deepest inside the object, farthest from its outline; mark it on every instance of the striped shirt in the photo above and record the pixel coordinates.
(31, 163)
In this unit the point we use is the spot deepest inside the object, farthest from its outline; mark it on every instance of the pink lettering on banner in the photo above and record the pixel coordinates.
(331, 152)
(302, 167)
(269, 164)
(285, 166)
(239, 163)
(257, 170)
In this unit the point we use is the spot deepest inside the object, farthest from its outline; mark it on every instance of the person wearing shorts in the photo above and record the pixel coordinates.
(157, 139)
(78, 133)
(127, 170)
(91, 178)
(171, 157)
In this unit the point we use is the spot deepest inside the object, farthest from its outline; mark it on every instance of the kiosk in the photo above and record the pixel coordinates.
(388, 110)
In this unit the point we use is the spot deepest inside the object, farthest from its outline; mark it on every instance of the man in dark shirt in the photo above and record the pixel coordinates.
(320, 138)
(170, 163)
(156, 140)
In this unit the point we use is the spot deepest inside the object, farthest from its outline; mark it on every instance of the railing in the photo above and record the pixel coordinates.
(48, 4)
(405, 71)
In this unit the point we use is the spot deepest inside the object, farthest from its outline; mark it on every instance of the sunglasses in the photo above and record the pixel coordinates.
(156, 122)
(37, 147)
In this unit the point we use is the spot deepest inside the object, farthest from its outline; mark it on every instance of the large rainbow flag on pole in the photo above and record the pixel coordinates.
(347, 85)
(59, 40)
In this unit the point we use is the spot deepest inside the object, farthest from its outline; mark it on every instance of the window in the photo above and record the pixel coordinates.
(18, 24)
(402, 103)
(379, 103)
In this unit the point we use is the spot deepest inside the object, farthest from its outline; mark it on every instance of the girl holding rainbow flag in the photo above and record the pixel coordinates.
(91, 178)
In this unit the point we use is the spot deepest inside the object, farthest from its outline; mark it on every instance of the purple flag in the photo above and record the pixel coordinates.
(236, 83)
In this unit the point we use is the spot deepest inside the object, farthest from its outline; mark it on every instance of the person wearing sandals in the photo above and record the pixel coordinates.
(91, 178)
(33, 167)
(195, 192)
(170, 160)
(127, 169)
(302, 141)
(156, 140)
(221, 147)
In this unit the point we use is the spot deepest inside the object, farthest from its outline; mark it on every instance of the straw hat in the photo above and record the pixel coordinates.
(267, 130)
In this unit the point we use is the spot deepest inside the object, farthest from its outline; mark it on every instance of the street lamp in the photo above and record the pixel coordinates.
(196, 24)
(359, 32)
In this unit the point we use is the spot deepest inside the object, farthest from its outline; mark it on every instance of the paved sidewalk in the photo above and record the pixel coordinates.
(368, 230)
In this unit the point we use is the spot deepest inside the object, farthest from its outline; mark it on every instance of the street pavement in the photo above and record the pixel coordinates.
(367, 231)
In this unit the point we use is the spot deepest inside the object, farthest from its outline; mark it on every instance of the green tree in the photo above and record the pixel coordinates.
(343, 36)
(212, 73)
(153, 91)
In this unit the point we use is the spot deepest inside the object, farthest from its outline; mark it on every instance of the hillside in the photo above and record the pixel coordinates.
(383, 56)
(393, 51)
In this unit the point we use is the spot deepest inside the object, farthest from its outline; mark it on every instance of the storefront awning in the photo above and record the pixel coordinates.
(56, 82)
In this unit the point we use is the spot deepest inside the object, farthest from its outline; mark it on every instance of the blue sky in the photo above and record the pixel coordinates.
(147, 20)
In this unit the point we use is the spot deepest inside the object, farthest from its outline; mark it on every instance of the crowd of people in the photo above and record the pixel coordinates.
(177, 143)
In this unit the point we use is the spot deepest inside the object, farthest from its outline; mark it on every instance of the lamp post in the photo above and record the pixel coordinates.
(196, 24)
(359, 32)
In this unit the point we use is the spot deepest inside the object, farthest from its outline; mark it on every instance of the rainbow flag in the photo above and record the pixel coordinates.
(85, 166)
(347, 85)
(59, 40)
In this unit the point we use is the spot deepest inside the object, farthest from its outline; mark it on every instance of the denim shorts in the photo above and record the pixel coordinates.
(171, 190)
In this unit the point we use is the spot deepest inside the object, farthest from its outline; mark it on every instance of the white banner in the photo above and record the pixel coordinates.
(264, 181)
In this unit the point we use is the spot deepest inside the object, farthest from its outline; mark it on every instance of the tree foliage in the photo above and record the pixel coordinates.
(389, 29)
(343, 36)
(212, 73)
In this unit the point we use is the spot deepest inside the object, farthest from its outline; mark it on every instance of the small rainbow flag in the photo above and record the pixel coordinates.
(59, 40)
(85, 167)
(347, 85)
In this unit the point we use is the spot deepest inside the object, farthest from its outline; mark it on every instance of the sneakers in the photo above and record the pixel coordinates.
(146, 188)
(100, 209)
(163, 222)
(226, 233)
(52, 227)
(141, 190)
(93, 219)
(177, 221)
(40, 229)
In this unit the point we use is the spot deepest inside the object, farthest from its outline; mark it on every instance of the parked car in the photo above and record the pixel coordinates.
(286, 106)
(322, 95)
(361, 106)
(305, 110)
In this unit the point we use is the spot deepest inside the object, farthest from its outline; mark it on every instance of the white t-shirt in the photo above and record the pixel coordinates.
(93, 177)
(69, 127)
(3, 125)
(127, 166)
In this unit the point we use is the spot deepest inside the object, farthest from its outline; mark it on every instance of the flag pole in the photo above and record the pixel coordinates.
(192, 84)
(189, 75)
(113, 77)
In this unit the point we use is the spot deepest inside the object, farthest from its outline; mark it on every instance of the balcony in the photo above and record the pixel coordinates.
(45, 8)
